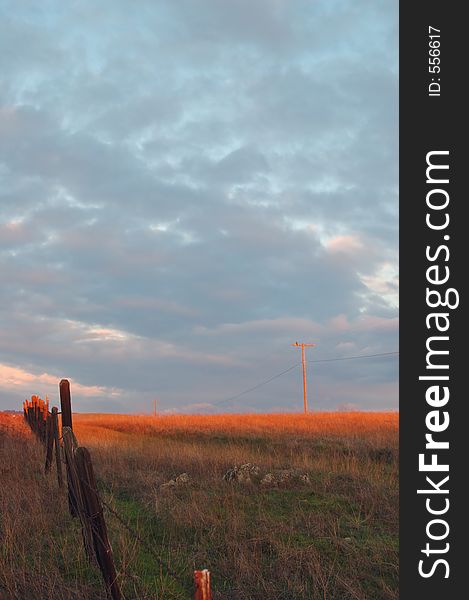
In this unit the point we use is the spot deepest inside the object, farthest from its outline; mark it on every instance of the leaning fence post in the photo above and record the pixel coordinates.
(76, 489)
(202, 585)
(94, 514)
(55, 435)
(66, 409)
(69, 445)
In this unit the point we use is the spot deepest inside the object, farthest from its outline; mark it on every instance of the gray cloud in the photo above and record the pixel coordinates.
(190, 186)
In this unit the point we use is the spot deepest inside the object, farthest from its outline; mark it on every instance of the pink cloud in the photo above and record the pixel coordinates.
(340, 324)
(17, 232)
(19, 380)
(345, 244)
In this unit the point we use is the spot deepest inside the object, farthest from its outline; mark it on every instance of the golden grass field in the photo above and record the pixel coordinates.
(332, 537)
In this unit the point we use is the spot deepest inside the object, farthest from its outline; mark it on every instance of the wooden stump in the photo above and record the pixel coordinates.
(202, 585)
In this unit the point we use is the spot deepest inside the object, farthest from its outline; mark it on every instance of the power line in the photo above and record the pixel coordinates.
(262, 383)
(352, 357)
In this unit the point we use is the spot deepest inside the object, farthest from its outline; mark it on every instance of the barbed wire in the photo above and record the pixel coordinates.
(146, 544)
(137, 536)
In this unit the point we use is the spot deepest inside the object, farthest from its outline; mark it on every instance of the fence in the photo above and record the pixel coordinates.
(84, 500)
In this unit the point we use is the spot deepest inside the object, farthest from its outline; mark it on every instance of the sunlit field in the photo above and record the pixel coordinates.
(317, 519)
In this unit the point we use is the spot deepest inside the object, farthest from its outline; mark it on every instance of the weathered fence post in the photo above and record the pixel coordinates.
(69, 445)
(65, 403)
(40, 406)
(34, 414)
(45, 414)
(202, 585)
(94, 514)
(66, 409)
(75, 488)
(55, 435)
(49, 442)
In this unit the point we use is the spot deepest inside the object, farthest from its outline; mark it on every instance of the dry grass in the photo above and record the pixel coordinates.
(334, 538)
(40, 557)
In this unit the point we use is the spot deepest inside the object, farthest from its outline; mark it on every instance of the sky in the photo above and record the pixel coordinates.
(186, 189)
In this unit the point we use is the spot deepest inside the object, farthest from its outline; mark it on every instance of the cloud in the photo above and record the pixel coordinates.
(364, 323)
(345, 244)
(24, 382)
(192, 186)
(279, 325)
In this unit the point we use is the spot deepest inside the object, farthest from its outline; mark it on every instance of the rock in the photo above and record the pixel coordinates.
(243, 474)
(230, 475)
(180, 480)
(284, 476)
(170, 484)
(249, 473)
(268, 479)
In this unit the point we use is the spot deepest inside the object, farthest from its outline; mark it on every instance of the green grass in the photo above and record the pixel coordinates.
(281, 509)
(149, 576)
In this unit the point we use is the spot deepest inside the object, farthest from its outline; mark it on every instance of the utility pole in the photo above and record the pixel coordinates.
(154, 407)
(303, 362)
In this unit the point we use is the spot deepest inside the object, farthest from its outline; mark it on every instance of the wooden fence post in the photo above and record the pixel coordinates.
(39, 418)
(34, 414)
(66, 409)
(75, 489)
(49, 442)
(43, 422)
(65, 403)
(69, 445)
(94, 514)
(55, 435)
(202, 585)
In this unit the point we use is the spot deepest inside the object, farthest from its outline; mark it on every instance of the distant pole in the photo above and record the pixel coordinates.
(154, 407)
(303, 362)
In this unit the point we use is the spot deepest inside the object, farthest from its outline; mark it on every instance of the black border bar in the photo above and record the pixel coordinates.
(433, 123)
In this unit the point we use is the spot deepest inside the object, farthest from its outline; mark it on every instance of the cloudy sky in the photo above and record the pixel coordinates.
(186, 188)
